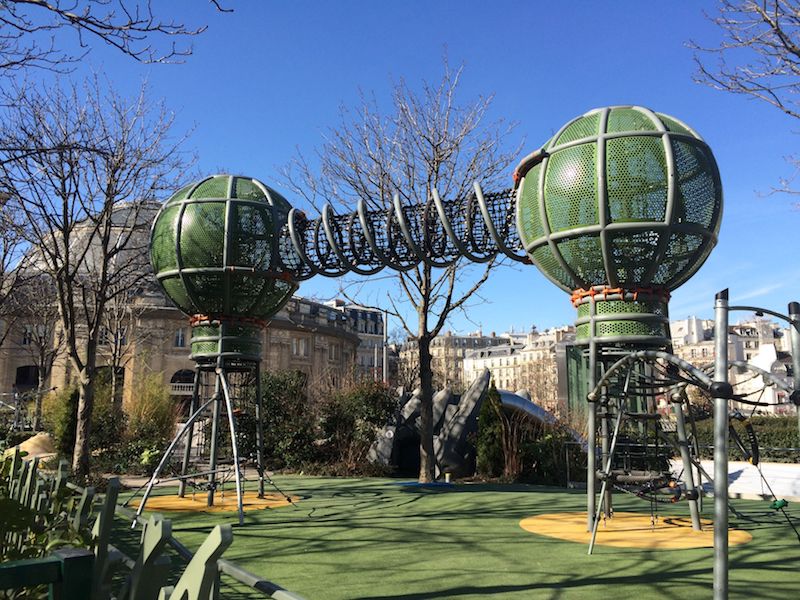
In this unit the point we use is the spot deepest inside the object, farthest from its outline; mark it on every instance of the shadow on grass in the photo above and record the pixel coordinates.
(375, 540)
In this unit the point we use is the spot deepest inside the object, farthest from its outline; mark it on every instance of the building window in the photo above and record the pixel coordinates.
(333, 352)
(27, 335)
(299, 346)
(180, 337)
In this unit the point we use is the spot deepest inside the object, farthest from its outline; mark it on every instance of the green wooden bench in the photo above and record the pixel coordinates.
(67, 573)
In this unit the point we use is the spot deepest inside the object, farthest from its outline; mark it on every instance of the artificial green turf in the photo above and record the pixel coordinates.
(360, 539)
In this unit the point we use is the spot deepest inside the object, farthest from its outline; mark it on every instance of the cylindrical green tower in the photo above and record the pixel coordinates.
(214, 250)
(620, 207)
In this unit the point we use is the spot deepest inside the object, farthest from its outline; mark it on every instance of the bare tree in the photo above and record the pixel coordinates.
(36, 312)
(29, 30)
(87, 164)
(428, 141)
(120, 332)
(11, 245)
(759, 56)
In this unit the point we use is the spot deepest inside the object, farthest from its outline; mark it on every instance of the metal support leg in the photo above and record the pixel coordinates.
(170, 448)
(605, 432)
(688, 468)
(591, 425)
(187, 451)
(721, 392)
(222, 378)
(794, 336)
(607, 472)
(212, 459)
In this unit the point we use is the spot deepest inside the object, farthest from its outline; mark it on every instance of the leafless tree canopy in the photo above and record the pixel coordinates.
(427, 140)
(759, 56)
(82, 167)
(31, 30)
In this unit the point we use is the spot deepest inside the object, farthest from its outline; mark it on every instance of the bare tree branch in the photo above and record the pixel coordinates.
(428, 141)
(92, 164)
(759, 56)
(31, 32)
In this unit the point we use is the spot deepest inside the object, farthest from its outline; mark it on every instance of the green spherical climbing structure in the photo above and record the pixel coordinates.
(622, 205)
(214, 250)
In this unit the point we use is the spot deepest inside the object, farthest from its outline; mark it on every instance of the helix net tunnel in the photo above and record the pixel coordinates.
(438, 232)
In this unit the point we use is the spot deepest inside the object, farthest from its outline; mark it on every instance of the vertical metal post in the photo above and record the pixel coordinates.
(187, 451)
(591, 426)
(794, 336)
(688, 472)
(237, 473)
(212, 459)
(259, 432)
(605, 432)
(721, 392)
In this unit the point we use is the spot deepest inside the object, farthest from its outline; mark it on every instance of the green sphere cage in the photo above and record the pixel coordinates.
(214, 250)
(625, 200)
(622, 197)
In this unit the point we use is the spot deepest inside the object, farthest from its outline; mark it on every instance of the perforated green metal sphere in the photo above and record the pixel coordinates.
(213, 248)
(620, 197)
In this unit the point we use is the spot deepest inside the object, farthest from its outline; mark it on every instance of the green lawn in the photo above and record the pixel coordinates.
(360, 539)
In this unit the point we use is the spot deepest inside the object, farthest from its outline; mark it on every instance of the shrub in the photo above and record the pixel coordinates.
(108, 418)
(512, 445)
(489, 446)
(288, 422)
(151, 412)
(350, 419)
(773, 434)
(60, 416)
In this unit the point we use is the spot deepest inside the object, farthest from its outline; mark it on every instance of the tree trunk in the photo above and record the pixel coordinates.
(114, 384)
(80, 455)
(37, 416)
(427, 460)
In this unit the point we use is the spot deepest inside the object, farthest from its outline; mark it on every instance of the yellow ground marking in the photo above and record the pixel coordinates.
(631, 530)
(227, 503)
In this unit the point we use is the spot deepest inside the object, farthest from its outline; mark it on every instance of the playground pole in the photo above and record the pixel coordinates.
(794, 336)
(591, 467)
(721, 392)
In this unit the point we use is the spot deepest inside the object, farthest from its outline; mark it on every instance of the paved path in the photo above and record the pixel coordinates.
(744, 480)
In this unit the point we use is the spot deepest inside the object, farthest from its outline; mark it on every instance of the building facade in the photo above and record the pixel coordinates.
(533, 367)
(447, 358)
(757, 341)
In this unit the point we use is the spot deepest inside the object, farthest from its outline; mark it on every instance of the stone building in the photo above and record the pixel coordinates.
(447, 358)
(533, 366)
(758, 341)
(305, 336)
(145, 333)
(370, 326)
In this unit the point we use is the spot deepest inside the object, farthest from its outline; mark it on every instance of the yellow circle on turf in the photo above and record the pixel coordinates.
(631, 530)
(226, 503)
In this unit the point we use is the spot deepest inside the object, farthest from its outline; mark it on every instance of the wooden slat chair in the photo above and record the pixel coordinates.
(200, 579)
(151, 569)
(106, 558)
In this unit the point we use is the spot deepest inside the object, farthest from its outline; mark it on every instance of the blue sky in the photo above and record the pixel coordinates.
(270, 78)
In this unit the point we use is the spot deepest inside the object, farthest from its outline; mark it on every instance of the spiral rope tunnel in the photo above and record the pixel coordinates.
(436, 232)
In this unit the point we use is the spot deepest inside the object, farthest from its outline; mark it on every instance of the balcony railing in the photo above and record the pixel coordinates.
(181, 389)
